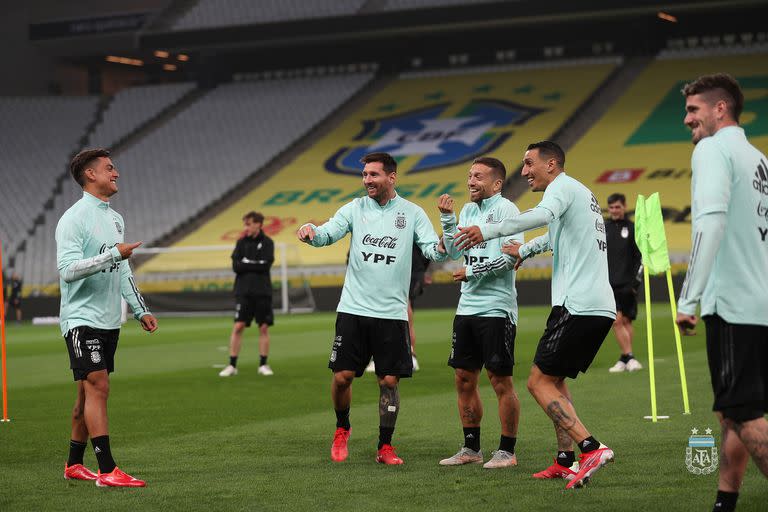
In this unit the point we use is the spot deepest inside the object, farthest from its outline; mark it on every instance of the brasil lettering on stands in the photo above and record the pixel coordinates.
(337, 195)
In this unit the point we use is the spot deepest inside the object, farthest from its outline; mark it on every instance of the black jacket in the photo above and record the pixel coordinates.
(251, 261)
(624, 258)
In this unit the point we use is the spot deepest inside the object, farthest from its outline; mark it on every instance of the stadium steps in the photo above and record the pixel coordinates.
(372, 6)
(146, 129)
(261, 175)
(39, 219)
(588, 114)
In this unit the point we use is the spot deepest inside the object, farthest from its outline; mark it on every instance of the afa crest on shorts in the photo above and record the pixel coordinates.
(701, 453)
(439, 139)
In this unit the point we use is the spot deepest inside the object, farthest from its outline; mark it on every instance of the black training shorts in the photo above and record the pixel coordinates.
(479, 341)
(570, 342)
(738, 367)
(626, 302)
(360, 337)
(91, 350)
(254, 307)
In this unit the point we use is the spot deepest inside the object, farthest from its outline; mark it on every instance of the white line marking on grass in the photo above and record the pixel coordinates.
(218, 365)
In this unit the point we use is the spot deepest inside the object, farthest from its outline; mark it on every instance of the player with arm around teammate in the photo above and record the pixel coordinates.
(372, 316)
(583, 308)
(486, 318)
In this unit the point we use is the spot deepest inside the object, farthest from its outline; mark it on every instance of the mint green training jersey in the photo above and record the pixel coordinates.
(490, 286)
(576, 237)
(92, 275)
(379, 268)
(728, 270)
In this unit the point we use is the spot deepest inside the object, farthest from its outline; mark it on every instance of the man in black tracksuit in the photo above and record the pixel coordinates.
(624, 267)
(251, 260)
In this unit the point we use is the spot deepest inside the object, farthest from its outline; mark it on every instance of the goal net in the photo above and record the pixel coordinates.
(200, 279)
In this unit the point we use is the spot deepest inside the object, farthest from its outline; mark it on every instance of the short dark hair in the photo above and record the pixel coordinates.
(722, 86)
(82, 160)
(256, 217)
(617, 197)
(548, 149)
(386, 160)
(495, 164)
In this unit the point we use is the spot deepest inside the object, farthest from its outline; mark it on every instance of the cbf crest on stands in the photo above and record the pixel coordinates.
(438, 138)
(400, 220)
(701, 452)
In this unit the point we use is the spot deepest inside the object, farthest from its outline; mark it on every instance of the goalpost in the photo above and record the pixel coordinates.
(187, 273)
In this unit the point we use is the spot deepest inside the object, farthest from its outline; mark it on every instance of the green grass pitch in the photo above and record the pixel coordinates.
(254, 443)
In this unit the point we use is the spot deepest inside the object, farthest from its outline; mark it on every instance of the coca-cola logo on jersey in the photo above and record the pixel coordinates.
(388, 242)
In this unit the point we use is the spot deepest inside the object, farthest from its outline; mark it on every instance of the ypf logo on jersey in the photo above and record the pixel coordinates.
(431, 133)
(701, 452)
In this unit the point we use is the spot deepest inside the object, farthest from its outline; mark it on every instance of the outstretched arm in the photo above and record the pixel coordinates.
(529, 219)
(329, 233)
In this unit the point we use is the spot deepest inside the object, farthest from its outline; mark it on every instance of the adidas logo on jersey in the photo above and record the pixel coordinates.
(760, 183)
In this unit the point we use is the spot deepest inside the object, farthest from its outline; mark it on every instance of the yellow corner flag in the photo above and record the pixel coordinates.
(649, 234)
(651, 239)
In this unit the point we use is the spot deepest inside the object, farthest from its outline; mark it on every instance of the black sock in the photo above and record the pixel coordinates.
(262, 360)
(342, 419)
(233, 361)
(385, 435)
(103, 454)
(472, 438)
(507, 444)
(589, 444)
(725, 501)
(76, 452)
(626, 357)
(566, 458)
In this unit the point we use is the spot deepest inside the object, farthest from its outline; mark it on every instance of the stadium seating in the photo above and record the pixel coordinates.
(219, 13)
(447, 119)
(400, 5)
(38, 134)
(199, 155)
(641, 145)
(132, 107)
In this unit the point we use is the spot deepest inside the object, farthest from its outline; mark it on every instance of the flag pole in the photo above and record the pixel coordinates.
(2, 340)
(678, 343)
(649, 332)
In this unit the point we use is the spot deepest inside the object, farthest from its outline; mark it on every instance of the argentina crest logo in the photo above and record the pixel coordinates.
(435, 136)
(400, 220)
(701, 453)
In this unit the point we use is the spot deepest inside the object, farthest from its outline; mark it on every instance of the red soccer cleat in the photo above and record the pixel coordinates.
(118, 479)
(589, 463)
(556, 470)
(339, 450)
(78, 472)
(387, 455)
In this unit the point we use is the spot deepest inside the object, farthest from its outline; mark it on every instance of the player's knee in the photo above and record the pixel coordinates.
(343, 379)
(389, 381)
(264, 329)
(502, 385)
(238, 328)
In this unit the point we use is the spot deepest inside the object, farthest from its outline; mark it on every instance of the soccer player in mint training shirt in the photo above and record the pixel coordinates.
(92, 260)
(485, 323)
(583, 309)
(727, 273)
(372, 315)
